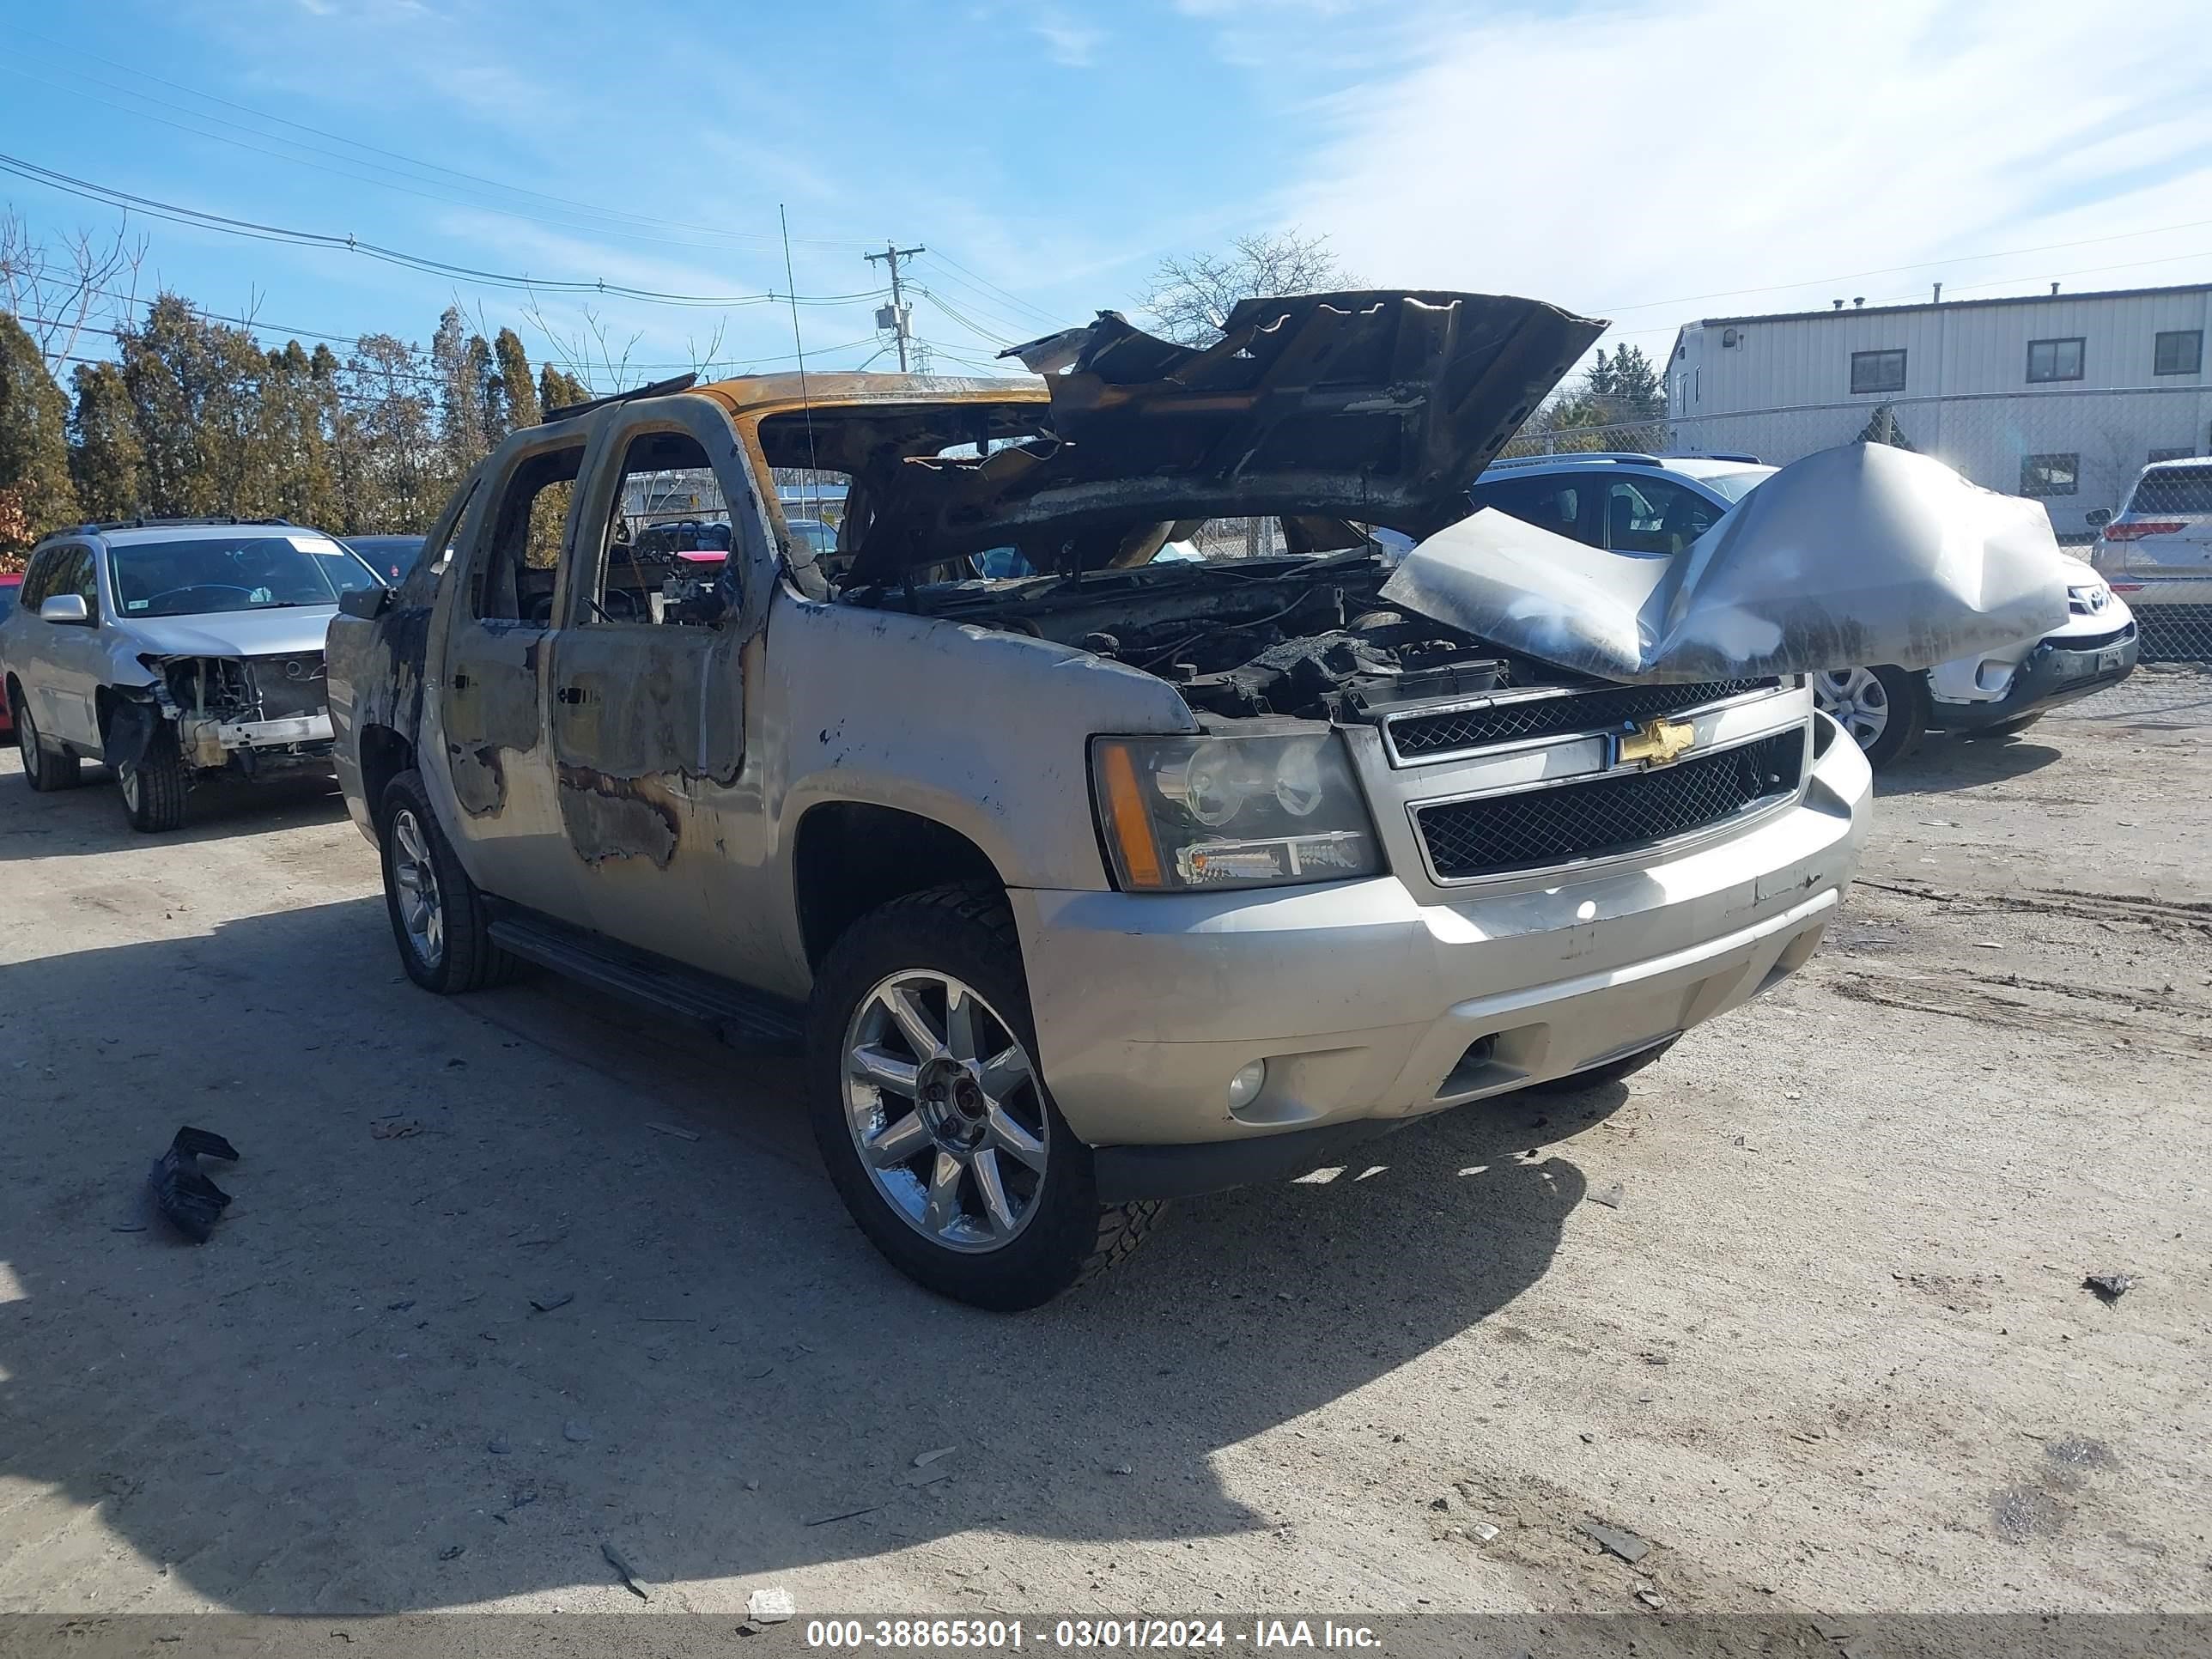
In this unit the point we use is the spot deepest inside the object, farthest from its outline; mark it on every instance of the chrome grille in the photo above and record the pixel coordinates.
(1576, 822)
(1420, 737)
(289, 686)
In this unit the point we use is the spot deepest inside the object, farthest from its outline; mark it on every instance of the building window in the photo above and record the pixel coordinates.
(2180, 352)
(2054, 360)
(1877, 371)
(2049, 474)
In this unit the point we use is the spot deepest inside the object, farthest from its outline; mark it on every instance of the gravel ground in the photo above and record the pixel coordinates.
(1830, 1352)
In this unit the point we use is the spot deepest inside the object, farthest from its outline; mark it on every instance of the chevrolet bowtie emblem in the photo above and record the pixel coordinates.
(1657, 743)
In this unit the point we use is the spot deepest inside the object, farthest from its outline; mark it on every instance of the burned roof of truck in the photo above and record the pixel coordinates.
(1378, 406)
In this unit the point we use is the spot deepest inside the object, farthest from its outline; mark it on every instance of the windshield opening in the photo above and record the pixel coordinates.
(254, 571)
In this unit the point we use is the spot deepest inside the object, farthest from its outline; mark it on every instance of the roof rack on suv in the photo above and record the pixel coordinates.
(146, 523)
(657, 389)
(1624, 457)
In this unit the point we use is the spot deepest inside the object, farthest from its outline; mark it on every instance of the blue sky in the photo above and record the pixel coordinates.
(1646, 161)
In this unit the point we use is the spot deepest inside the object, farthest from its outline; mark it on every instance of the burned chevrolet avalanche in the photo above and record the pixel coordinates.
(1107, 813)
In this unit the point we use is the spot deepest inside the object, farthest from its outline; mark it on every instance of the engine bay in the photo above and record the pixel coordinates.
(1306, 638)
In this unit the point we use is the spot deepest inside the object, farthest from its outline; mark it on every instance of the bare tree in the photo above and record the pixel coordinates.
(59, 293)
(1191, 297)
(584, 351)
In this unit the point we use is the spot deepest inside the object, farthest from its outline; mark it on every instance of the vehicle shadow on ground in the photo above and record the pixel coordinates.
(1944, 763)
(346, 1402)
(89, 819)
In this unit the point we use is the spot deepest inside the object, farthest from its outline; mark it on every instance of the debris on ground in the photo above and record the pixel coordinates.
(498, 1445)
(844, 1515)
(577, 1429)
(1612, 1197)
(395, 1128)
(671, 1129)
(1483, 1531)
(184, 1195)
(1624, 1544)
(555, 1299)
(1651, 1598)
(622, 1570)
(1119, 1468)
(452, 1552)
(923, 1460)
(2109, 1287)
(770, 1607)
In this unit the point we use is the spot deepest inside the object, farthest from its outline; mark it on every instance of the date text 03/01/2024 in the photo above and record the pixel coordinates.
(1085, 1635)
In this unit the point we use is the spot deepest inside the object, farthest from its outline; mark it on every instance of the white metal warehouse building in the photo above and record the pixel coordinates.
(2063, 397)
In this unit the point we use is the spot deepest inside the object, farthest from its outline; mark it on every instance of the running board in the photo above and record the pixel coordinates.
(744, 1019)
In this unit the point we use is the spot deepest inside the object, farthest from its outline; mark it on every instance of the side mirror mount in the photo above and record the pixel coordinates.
(366, 603)
(68, 609)
(2099, 517)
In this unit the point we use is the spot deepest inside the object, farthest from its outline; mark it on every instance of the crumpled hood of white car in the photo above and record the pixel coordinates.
(1863, 554)
(277, 631)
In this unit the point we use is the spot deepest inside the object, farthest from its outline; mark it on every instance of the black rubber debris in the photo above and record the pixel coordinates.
(187, 1200)
(2109, 1287)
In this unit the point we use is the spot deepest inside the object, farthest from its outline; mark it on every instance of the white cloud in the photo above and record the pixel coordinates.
(1067, 40)
(1670, 152)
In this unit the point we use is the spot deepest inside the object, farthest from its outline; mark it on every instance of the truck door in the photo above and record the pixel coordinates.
(647, 687)
(486, 711)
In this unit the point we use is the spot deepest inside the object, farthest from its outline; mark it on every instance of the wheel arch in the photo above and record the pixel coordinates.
(851, 857)
(385, 754)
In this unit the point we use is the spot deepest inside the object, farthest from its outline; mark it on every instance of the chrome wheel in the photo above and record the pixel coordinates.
(27, 742)
(941, 1100)
(414, 877)
(1856, 700)
(126, 778)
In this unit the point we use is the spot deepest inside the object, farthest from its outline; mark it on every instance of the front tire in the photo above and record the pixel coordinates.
(931, 1115)
(45, 769)
(154, 784)
(1885, 710)
(439, 918)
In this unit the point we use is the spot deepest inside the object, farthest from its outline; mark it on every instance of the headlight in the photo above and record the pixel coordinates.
(1184, 813)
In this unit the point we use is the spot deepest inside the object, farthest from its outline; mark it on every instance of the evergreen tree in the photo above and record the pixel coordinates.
(518, 396)
(36, 495)
(106, 460)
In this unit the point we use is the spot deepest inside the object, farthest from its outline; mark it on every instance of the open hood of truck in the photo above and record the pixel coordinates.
(1861, 555)
(1378, 407)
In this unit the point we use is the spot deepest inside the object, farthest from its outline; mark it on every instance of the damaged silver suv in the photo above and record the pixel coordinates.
(1121, 877)
(173, 648)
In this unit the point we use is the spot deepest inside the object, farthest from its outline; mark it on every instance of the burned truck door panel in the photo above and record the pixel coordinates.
(646, 695)
(505, 825)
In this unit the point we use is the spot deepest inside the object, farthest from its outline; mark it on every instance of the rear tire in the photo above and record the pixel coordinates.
(44, 768)
(439, 918)
(1612, 1071)
(155, 784)
(979, 1191)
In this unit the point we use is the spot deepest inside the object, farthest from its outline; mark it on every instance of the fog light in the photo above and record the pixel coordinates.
(1244, 1088)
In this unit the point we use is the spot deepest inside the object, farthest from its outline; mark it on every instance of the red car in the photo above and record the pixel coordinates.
(10, 580)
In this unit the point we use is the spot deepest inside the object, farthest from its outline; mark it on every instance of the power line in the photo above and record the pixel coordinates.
(977, 329)
(112, 197)
(939, 257)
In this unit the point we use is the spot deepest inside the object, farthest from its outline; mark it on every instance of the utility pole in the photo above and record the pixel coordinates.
(895, 314)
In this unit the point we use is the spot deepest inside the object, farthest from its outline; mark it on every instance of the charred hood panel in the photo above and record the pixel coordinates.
(1375, 406)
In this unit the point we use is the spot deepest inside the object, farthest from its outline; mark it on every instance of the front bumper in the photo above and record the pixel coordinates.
(1371, 1007)
(2057, 671)
(211, 743)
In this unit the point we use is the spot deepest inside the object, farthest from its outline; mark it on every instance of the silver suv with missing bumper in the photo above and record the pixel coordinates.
(171, 649)
(1123, 878)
